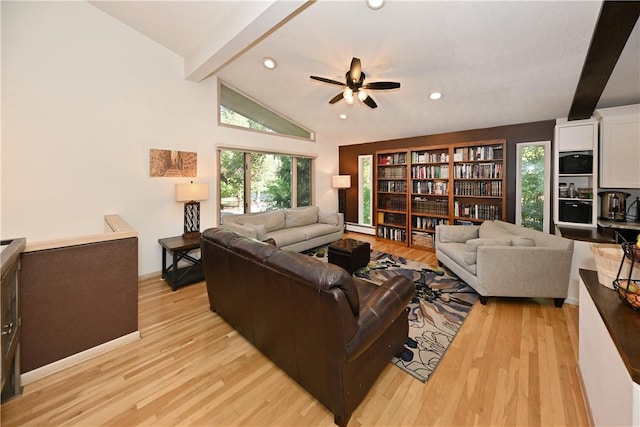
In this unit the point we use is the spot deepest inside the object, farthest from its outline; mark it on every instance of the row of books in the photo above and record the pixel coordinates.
(426, 223)
(392, 173)
(478, 188)
(394, 203)
(391, 218)
(429, 157)
(430, 187)
(422, 239)
(392, 186)
(428, 206)
(390, 233)
(482, 170)
(430, 172)
(477, 211)
(493, 152)
(392, 159)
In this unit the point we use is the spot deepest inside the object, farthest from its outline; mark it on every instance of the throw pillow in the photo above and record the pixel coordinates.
(259, 230)
(330, 218)
(523, 241)
(457, 233)
(471, 247)
(300, 216)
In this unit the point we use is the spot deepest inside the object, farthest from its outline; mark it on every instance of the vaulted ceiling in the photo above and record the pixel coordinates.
(495, 63)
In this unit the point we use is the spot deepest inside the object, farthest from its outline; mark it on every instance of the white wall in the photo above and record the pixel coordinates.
(84, 98)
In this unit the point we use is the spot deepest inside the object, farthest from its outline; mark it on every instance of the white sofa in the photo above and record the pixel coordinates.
(497, 258)
(296, 229)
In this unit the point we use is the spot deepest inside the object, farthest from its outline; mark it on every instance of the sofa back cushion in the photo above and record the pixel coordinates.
(494, 230)
(540, 238)
(272, 220)
(298, 217)
(457, 234)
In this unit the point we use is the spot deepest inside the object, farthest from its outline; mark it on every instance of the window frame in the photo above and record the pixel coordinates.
(312, 135)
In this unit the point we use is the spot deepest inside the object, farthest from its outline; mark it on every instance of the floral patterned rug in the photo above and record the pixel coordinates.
(436, 312)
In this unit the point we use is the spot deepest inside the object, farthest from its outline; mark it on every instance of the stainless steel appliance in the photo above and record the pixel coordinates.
(613, 205)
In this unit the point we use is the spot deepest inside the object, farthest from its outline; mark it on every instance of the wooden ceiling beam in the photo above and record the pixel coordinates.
(615, 24)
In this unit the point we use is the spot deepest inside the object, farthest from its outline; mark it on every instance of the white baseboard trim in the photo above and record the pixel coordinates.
(364, 229)
(58, 365)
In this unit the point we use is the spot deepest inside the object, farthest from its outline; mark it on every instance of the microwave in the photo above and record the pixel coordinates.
(574, 211)
(576, 164)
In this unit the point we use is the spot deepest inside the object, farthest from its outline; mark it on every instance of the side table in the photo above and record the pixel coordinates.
(180, 247)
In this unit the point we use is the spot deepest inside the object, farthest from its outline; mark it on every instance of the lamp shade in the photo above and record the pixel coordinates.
(191, 192)
(341, 181)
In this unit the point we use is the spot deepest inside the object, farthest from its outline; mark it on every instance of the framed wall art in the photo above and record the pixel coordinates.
(172, 163)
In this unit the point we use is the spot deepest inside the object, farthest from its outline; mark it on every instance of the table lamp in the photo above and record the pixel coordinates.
(191, 194)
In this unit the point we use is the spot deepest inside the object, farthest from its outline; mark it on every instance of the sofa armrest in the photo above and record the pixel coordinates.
(501, 267)
(380, 310)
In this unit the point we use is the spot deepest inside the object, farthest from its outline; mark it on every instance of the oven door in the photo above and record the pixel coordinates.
(573, 211)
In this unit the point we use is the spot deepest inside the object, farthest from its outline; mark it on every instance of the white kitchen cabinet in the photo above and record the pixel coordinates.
(620, 147)
(571, 138)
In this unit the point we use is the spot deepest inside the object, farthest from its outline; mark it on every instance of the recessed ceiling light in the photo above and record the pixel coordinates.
(269, 63)
(435, 95)
(343, 116)
(375, 4)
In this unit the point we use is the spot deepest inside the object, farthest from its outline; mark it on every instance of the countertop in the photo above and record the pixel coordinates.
(594, 235)
(621, 321)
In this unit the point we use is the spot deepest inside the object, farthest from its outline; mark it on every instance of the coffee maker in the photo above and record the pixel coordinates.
(613, 205)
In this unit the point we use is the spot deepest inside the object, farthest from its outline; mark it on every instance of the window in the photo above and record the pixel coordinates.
(532, 185)
(238, 110)
(365, 182)
(258, 182)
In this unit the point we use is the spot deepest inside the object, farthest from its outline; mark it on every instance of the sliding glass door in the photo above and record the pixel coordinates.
(256, 182)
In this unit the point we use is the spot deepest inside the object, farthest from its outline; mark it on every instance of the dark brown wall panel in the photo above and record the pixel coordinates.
(526, 132)
(75, 298)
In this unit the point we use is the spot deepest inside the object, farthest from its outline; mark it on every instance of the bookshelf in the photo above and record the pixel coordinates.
(423, 187)
(479, 181)
(391, 195)
(430, 169)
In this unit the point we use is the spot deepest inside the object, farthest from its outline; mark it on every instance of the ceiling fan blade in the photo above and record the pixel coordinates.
(336, 98)
(355, 70)
(322, 79)
(381, 85)
(370, 102)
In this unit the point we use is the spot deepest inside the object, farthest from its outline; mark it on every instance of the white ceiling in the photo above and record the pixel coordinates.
(496, 63)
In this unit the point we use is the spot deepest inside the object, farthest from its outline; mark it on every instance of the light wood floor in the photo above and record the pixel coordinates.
(512, 363)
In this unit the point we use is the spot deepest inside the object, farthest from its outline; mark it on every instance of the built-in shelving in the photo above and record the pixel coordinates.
(423, 187)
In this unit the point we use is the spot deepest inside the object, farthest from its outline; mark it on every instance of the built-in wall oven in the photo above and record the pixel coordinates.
(575, 211)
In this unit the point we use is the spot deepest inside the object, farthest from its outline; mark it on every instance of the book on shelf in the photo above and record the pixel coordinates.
(480, 153)
(392, 159)
(429, 157)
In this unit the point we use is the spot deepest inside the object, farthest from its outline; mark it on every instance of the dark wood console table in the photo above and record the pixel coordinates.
(180, 248)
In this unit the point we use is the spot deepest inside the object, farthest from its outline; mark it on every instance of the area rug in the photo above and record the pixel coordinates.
(436, 312)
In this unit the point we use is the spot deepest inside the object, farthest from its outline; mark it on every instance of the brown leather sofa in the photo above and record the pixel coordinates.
(330, 332)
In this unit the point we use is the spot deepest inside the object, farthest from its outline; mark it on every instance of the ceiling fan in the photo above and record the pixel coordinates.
(355, 86)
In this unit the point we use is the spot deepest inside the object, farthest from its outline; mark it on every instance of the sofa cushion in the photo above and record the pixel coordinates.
(315, 230)
(522, 241)
(300, 216)
(273, 220)
(490, 230)
(457, 234)
(456, 252)
(330, 218)
(245, 230)
(471, 247)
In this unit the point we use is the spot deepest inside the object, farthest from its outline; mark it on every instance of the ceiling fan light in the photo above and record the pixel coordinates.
(362, 95)
(348, 96)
